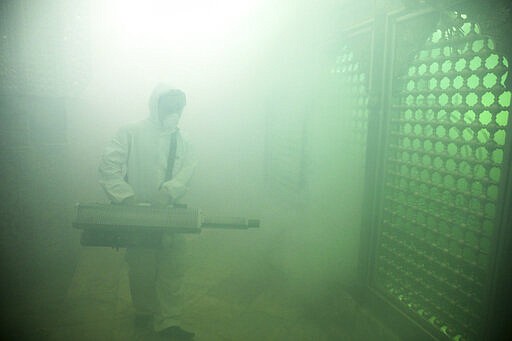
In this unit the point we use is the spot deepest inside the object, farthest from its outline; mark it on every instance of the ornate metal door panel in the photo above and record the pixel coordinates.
(437, 195)
(351, 79)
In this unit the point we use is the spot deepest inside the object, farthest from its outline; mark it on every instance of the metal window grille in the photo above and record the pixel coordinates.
(352, 81)
(443, 170)
(438, 162)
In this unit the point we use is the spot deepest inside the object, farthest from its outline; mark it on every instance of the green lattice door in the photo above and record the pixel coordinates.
(439, 153)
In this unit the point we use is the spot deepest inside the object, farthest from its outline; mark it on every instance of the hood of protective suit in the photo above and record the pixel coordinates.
(136, 162)
(158, 91)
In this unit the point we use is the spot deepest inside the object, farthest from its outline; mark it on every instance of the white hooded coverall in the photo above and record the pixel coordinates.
(134, 165)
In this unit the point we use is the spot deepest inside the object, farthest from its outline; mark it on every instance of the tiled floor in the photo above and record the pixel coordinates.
(225, 300)
(265, 284)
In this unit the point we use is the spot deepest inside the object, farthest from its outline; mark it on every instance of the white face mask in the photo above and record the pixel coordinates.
(170, 122)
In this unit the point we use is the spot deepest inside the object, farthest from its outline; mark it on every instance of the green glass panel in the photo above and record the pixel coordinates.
(462, 185)
(446, 66)
(481, 153)
(436, 36)
(467, 134)
(439, 147)
(460, 65)
(425, 176)
(473, 81)
(431, 99)
(430, 114)
(488, 227)
(469, 116)
(466, 151)
(488, 99)
(480, 171)
(491, 61)
(454, 133)
(483, 136)
(423, 54)
(436, 178)
(485, 117)
(438, 162)
(464, 168)
(410, 85)
(418, 114)
(472, 240)
(445, 83)
(456, 99)
(458, 82)
(435, 53)
(497, 155)
(494, 173)
(449, 181)
(477, 45)
(428, 131)
(432, 83)
(422, 69)
(492, 192)
(466, 28)
(490, 210)
(440, 131)
(443, 99)
(455, 115)
(471, 99)
(490, 80)
(475, 205)
(477, 188)
(499, 137)
(475, 63)
(469, 255)
(407, 128)
(504, 99)
(452, 149)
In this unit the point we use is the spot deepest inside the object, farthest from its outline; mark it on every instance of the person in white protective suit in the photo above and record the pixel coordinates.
(151, 161)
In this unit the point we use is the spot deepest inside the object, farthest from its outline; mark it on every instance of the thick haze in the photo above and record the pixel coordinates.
(277, 112)
(244, 66)
(233, 61)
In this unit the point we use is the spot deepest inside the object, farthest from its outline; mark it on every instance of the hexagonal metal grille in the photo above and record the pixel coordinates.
(353, 82)
(445, 150)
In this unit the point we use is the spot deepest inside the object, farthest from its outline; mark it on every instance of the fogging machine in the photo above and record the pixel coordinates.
(120, 226)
